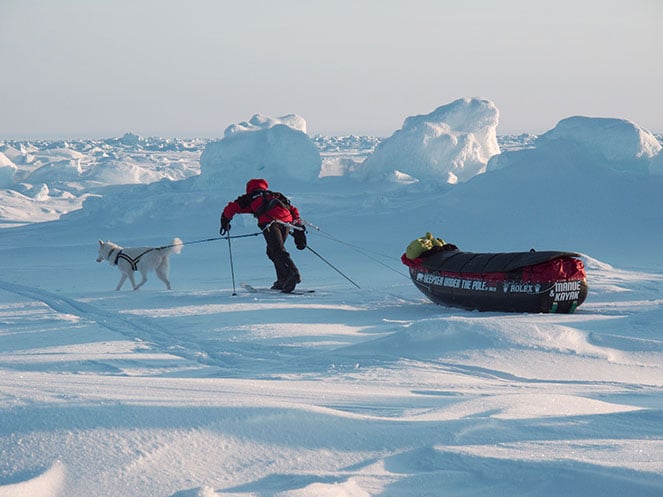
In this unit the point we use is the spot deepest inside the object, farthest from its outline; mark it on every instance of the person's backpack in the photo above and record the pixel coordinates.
(270, 201)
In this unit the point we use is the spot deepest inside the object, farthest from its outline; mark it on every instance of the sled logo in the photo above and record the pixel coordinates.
(566, 291)
(430, 278)
(517, 287)
(454, 282)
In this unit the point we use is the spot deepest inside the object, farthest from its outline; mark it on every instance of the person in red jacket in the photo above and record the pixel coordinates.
(275, 215)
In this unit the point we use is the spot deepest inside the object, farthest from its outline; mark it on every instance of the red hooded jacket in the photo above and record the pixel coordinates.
(265, 205)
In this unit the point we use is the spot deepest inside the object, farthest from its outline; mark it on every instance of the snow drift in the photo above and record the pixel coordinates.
(263, 147)
(543, 196)
(451, 144)
(617, 144)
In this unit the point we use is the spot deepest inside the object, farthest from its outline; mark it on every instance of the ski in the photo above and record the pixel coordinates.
(252, 289)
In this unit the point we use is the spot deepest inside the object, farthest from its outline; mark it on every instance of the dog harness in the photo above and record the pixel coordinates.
(132, 261)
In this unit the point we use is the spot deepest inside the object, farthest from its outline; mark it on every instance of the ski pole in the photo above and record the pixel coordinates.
(332, 266)
(232, 268)
(307, 223)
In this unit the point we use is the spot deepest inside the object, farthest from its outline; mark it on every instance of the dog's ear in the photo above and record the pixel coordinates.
(100, 242)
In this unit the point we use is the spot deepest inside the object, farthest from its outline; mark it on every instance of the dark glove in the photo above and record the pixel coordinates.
(300, 237)
(225, 225)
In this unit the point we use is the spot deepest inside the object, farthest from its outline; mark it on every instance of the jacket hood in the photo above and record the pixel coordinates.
(256, 184)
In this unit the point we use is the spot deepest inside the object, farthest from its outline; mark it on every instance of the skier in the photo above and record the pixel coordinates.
(275, 215)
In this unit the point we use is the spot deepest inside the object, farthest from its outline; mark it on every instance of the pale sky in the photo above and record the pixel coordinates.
(190, 68)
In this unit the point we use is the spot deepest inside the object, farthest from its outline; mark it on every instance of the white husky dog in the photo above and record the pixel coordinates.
(143, 259)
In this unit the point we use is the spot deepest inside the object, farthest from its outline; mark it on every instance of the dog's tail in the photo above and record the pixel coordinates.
(176, 246)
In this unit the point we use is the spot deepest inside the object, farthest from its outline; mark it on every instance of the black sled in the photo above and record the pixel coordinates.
(532, 282)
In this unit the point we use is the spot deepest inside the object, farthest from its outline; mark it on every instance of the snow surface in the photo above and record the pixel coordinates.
(346, 392)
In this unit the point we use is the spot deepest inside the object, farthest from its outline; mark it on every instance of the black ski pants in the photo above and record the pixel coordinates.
(275, 236)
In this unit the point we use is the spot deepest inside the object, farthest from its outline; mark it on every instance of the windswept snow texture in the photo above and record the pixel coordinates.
(345, 392)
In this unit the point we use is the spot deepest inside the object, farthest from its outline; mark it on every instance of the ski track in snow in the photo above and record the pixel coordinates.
(133, 328)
